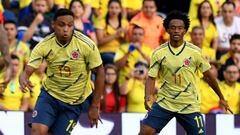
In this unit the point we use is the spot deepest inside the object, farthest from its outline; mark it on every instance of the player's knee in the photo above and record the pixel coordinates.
(146, 130)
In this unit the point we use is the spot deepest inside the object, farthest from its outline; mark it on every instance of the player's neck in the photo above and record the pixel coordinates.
(176, 44)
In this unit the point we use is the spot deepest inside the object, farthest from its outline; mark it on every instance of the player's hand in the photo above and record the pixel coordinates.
(225, 106)
(94, 116)
(25, 84)
(146, 103)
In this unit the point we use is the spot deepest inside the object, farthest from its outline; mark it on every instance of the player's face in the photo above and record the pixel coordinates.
(114, 9)
(110, 76)
(138, 35)
(176, 30)
(231, 74)
(228, 12)
(77, 9)
(197, 37)
(235, 45)
(11, 30)
(149, 9)
(63, 27)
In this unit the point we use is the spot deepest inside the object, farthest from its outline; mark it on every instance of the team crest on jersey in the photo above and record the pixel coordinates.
(75, 54)
(187, 62)
(34, 113)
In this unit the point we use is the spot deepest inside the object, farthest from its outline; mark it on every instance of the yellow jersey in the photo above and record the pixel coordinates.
(22, 50)
(12, 96)
(113, 45)
(135, 96)
(133, 58)
(69, 66)
(66, 3)
(177, 70)
(132, 4)
(232, 96)
(209, 98)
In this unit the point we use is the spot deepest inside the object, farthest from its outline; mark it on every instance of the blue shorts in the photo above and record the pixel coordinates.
(60, 117)
(158, 118)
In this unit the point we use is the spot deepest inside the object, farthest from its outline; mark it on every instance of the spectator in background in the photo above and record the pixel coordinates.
(233, 55)
(197, 38)
(100, 9)
(111, 31)
(112, 101)
(37, 79)
(83, 25)
(205, 19)
(130, 53)
(16, 46)
(133, 87)
(150, 22)
(194, 4)
(209, 99)
(131, 7)
(13, 98)
(37, 25)
(227, 25)
(231, 88)
(5, 63)
(86, 3)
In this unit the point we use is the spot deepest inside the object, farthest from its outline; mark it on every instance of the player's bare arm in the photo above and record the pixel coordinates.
(149, 91)
(24, 79)
(214, 85)
(93, 113)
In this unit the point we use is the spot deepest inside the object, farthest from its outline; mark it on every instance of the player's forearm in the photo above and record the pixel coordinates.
(28, 71)
(99, 86)
(3, 42)
(150, 86)
(213, 84)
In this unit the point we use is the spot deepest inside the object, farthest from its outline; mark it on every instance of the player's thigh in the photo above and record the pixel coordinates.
(66, 120)
(146, 130)
(45, 110)
(157, 118)
(39, 129)
(193, 123)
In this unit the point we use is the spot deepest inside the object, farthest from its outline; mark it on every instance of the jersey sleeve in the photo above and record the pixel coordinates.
(202, 63)
(94, 58)
(154, 66)
(36, 56)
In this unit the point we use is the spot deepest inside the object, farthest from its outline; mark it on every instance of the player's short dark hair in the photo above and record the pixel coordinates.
(14, 57)
(176, 15)
(62, 12)
(10, 22)
(234, 37)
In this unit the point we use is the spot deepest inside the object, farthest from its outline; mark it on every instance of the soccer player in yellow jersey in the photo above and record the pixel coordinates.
(70, 56)
(176, 63)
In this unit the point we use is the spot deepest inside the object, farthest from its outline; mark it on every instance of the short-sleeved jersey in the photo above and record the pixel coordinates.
(68, 71)
(178, 72)
(133, 58)
(113, 45)
(231, 95)
(12, 96)
(22, 50)
(135, 96)
(209, 98)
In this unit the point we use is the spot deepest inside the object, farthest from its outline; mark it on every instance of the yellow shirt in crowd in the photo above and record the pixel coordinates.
(66, 3)
(113, 45)
(12, 96)
(232, 96)
(132, 4)
(135, 96)
(133, 58)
